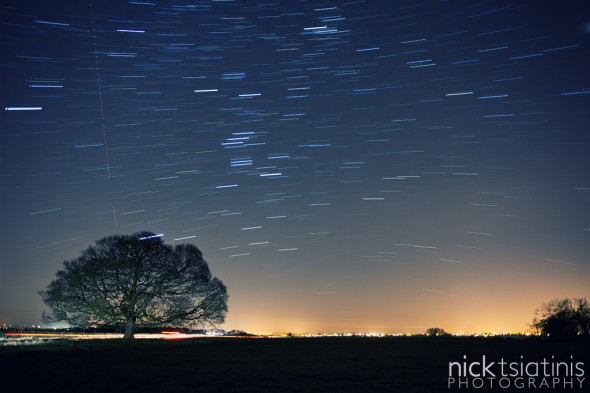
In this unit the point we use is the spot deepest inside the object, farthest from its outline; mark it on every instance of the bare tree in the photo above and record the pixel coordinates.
(563, 318)
(136, 280)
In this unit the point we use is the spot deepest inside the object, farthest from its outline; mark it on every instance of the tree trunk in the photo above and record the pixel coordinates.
(129, 328)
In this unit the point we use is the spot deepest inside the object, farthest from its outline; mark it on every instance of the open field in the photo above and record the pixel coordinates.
(266, 365)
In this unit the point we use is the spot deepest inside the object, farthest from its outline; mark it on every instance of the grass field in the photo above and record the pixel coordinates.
(266, 365)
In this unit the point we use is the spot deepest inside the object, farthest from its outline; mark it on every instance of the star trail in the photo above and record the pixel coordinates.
(343, 165)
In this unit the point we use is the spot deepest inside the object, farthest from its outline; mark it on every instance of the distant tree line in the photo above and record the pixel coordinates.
(558, 318)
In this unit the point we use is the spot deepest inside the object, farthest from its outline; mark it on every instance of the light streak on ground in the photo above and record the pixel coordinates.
(40, 338)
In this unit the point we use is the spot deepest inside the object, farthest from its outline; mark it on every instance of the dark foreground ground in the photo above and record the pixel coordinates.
(269, 365)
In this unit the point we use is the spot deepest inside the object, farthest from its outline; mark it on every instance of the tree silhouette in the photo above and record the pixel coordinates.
(436, 331)
(563, 318)
(136, 280)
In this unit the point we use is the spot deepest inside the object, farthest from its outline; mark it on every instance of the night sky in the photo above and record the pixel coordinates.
(343, 165)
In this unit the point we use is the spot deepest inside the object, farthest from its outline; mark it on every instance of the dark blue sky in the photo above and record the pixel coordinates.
(354, 165)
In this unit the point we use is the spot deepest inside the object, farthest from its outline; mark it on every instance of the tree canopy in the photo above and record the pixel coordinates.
(136, 280)
(563, 318)
(436, 332)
